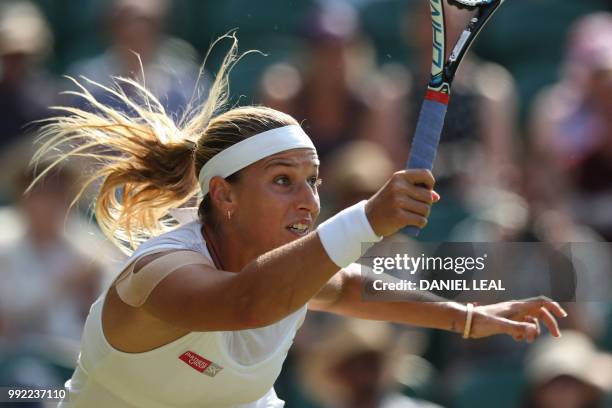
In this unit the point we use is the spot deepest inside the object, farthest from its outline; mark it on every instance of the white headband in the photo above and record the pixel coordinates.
(252, 149)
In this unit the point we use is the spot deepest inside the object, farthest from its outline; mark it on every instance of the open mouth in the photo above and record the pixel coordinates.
(299, 228)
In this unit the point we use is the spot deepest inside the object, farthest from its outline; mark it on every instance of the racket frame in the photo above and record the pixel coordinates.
(443, 69)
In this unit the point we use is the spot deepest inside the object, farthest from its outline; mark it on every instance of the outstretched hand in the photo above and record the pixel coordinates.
(520, 319)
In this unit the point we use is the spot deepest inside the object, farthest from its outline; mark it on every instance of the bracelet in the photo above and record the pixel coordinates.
(346, 235)
(468, 321)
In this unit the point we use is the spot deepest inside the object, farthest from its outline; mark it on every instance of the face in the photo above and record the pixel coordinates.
(276, 200)
(136, 33)
(45, 211)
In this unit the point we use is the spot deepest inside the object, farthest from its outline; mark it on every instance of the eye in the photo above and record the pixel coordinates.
(314, 181)
(282, 180)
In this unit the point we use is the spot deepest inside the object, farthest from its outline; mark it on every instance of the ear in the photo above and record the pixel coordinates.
(222, 194)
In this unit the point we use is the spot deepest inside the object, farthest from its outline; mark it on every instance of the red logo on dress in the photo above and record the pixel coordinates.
(199, 363)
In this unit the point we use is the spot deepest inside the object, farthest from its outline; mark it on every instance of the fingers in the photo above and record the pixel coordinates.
(543, 308)
(435, 196)
(518, 330)
(522, 319)
(416, 207)
(536, 322)
(411, 218)
(413, 200)
(554, 307)
(547, 318)
(402, 184)
(550, 322)
(533, 330)
(417, 220)
(404, 200)
(419, 177)
(420, 193)
(549, 304)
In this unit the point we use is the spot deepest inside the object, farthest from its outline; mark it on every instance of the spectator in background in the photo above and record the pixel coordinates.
(26, 90)
(140, 47)
(356, 363)
(359, 168)
(48, 282)
(572, 130)
(568, 373)
(337, 96)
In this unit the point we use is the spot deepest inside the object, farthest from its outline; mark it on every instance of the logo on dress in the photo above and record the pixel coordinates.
(199, 363)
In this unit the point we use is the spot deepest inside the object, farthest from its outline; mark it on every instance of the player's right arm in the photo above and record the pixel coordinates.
(201, 298)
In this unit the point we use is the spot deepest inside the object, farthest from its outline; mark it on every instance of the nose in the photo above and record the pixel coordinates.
(307, 199)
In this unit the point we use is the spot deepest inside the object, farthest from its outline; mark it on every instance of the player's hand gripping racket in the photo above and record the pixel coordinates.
(431, 119)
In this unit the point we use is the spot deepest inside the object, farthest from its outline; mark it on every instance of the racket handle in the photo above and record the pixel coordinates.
(426, 139)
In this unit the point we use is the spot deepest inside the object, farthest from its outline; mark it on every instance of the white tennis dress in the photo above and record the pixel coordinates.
(201, 369)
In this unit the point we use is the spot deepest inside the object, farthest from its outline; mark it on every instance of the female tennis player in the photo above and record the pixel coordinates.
(203, 315)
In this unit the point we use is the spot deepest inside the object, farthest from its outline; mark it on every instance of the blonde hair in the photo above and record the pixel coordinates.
(148, 163)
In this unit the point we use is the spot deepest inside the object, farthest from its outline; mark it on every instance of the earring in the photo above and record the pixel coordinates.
(229, 215)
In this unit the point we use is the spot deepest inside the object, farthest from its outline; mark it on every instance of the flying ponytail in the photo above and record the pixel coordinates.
(144, 160)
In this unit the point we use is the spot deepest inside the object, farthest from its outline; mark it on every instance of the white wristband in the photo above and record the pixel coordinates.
(345, 235)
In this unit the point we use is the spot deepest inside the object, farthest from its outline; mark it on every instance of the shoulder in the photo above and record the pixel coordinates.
(97, 67)
(141, 277)
(185, 237)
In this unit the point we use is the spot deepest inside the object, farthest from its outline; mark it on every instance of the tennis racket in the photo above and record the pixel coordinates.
(433, 111)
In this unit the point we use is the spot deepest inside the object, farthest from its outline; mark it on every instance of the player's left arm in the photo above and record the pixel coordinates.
(342, 295)
(520, 319)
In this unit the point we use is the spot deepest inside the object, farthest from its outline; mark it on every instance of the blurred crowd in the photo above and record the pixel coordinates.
(526, 156)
